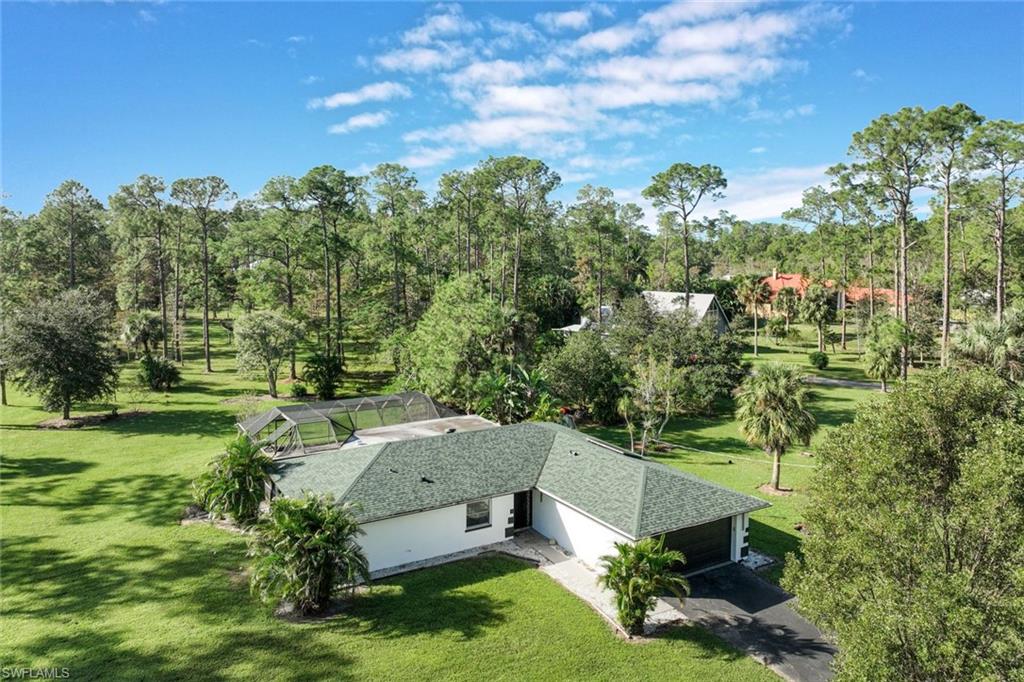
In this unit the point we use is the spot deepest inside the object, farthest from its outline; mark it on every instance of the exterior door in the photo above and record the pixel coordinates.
(521, 510)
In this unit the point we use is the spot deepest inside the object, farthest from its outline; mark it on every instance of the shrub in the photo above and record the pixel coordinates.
(818, 359)
(160, 374)
(304, 550)
(585, 375)
(235, 483)
(299, 391)
(636, 573)
(323, 372)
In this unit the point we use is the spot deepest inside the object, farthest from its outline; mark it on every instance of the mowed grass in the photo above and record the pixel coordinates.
(714, 449)
(97, 575)
(842, 364)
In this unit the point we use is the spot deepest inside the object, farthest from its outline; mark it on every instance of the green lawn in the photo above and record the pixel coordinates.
(715, 450)
(99, 577)
(842, 364)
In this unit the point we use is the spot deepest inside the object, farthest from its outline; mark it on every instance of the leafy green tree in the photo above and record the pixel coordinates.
(771, 409)
(463, 336)
(235, 484)
(950, 129)
(324, 373)
(200, 197)
(636, 574)
(305, 550)
(680, 188)
(594, 226)
(788, 303)
(652, 397)
(818, 308)
(71, 246)
(630, 329)
(777, 329)
(997, 346)
(818, 210)
(753, 293)
(887, 336)
(912, 554)
(60, 349)
(510, 395)
(158, 373)
(997, 146)
(265, 339)
(585, 375)
(892, 152)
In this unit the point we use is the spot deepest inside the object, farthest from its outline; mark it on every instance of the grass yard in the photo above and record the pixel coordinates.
(712, 448)
(99, 577)
(841, 364)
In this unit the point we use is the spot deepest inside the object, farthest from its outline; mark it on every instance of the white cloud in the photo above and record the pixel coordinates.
(373, 119)
(862, 75)
(758, 150)
(572, 20)
(298, 39)
(311, 79)
(766, 194)
(772, 116)
(611, 39)
(147, 16)
(511, 33)
(449, 22)
(758, 32)
(374, 92)
(687, 11)
(422, 59)
(704, 66)
(424, 157)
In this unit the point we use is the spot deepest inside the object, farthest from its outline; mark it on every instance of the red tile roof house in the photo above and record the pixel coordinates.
(778, 281)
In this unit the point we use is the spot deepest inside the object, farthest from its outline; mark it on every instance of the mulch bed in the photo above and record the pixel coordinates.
(768, 490)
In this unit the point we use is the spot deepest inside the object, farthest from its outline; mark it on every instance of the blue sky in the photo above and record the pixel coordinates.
(604, 93)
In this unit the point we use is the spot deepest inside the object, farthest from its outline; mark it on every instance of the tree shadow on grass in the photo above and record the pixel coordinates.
(771, 540)
(709, 645)
(40, 467)
(434, 600)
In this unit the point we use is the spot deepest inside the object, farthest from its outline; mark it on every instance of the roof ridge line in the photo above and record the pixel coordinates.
(366, 467)
(551, 446)
(640, 502)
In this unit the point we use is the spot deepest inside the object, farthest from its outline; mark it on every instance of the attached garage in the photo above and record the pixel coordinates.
(704, 546)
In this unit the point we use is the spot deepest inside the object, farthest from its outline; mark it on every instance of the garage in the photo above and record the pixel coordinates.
(705, 545)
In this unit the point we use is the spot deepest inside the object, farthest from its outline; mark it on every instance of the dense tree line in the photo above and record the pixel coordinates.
(342, 255)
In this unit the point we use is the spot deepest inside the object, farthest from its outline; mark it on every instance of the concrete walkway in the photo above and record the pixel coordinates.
(757, 617)
(842, 383)
(581, 580)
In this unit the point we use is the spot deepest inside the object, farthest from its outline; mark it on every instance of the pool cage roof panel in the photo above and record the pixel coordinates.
(292, 429)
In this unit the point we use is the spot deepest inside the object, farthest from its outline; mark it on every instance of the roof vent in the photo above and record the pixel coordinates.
(574, 453)
(424, 479)
(450, 429)
(394, 471)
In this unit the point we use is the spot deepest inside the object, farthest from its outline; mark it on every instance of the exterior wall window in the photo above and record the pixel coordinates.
(478, 515)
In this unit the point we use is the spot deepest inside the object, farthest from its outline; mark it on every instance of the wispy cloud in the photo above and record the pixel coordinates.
(373, 119)
(374, 92)
(447, 22)
(572, 20)
(147, 16)
(298, 39)
(758, 150)
(422, 59)
(864, 76)
(422, 157)
(779, 116)
(311, 79)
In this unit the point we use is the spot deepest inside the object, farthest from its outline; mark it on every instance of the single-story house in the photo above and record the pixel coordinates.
(423, 496)
(703, 306)
(778, 281)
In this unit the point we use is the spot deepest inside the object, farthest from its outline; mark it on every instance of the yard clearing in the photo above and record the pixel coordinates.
(98, 576)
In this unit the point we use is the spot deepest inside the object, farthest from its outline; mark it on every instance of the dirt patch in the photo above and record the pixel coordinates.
(781, 492)
(195, 515)
(248, 398)
(287, 611)
(58, 423)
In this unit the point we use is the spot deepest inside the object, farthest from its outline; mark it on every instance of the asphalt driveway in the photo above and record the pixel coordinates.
(755, 616)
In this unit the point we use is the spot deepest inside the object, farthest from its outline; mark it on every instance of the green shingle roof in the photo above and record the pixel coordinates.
(636, 496)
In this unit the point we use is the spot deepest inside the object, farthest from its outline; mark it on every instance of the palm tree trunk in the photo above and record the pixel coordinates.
(755, 330)
(776, 469)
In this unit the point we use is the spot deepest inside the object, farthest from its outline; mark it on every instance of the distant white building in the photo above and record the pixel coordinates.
(704, 307)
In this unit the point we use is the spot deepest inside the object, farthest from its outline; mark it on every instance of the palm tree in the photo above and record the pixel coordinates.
(771, 412)
(142, 328)
(753, 292)
(235, 484)
(887, 336)
(998, 346)
(788, 303)
(636, 573)
(304, 550)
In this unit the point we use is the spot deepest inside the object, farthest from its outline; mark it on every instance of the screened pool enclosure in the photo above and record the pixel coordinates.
(298, 429)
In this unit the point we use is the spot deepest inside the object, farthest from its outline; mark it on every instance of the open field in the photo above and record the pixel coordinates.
(842, 364)
(99, 577)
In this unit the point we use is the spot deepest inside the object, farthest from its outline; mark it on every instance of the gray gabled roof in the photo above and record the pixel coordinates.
(636, 496)
(665, 302)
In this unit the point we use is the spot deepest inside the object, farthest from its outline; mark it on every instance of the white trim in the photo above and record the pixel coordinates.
(556, 498)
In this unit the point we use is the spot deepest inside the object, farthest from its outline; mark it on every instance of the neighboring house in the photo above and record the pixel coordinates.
(704, 307)
(423, 496)
(778, 281)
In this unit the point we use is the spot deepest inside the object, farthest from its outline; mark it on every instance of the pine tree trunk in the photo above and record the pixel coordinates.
(3, 386)
(206, 299)
(686, 267)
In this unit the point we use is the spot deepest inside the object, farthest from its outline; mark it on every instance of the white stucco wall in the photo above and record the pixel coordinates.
(414, 537)
(573, 531)
(740, 522)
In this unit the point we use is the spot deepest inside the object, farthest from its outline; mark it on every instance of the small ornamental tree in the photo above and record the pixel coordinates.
(787, 303)
(235, 483)
(306, 549)
(753, 293)
(770, 407)
(818, 308)
(142, 328)
(324, 373)
(996, 345)
(265, 339)
(60, 349)
(636, 573)
(886, 338)
(585, 375)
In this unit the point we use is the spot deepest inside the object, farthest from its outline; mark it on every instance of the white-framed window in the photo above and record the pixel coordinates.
(478, 514)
